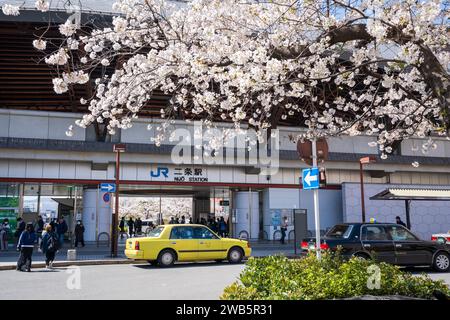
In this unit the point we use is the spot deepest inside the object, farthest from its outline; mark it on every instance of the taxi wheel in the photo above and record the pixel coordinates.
(153, 262)
(441, 262)
(235, 255)
(166, 258)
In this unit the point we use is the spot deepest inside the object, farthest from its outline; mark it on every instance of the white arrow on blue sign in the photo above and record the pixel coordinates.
(108, 187)
(310, 178)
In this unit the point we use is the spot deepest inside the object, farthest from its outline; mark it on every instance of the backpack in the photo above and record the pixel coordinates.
(52, 243)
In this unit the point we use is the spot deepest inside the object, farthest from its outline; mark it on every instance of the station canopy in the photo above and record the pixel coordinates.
(409, 194)
(413, 194)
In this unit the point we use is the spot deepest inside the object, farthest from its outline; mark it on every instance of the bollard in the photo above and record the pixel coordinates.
(71, 254)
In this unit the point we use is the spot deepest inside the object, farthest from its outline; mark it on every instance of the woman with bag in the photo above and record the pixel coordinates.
(49, 245)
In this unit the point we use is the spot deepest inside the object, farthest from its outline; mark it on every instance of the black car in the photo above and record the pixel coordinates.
(387, 242)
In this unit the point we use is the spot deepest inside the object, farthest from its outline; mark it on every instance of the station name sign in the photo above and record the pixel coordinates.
(180, 174)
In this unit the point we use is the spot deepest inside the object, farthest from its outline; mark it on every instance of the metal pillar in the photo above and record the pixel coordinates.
(408, 218)
(316, 201)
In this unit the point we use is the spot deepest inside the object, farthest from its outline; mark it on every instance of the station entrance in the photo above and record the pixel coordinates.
(165, 204)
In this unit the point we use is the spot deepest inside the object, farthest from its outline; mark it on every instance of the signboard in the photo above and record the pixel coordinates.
(106, 197)
(9, 207)
(310, 178)
(224, 203)
(277, 214)
(108, 187)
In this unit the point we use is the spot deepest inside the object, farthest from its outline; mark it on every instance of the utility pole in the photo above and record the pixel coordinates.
(316, 200)
(118, 149)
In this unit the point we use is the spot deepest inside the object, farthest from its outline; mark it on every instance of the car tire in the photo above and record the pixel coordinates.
(153, 262)
(362, 256)
(441, 262)
(166, 258)
(235, 255)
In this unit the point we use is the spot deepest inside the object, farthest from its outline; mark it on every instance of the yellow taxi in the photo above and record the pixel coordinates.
(185, 242)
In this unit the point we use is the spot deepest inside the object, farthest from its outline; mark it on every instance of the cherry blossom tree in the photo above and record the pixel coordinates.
(373, 67)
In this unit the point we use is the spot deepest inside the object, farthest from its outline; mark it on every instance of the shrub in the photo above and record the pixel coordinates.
(276, 277)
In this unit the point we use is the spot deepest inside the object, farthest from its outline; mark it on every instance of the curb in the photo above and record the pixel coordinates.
(99, 262)
(77, 263)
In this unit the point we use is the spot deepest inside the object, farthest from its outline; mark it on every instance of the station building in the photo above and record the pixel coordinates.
(45, 172)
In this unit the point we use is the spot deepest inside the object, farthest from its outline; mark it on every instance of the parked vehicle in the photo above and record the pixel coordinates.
(185, 242)
(441, 237)
(387, 242)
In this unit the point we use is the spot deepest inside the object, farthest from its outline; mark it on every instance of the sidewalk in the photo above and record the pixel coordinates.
(93, 255)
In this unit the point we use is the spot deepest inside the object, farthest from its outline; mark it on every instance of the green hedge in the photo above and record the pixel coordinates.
(276, 277)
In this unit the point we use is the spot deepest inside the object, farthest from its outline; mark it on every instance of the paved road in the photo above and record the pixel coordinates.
(182, 282)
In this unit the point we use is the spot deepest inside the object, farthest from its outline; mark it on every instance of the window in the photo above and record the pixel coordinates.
(340, 231)
(374, 233)
(401, 234)
(155, 233)
(203, 233)
(182, 233)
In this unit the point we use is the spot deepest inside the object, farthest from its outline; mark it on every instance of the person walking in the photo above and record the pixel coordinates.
(25, 246)
(172, 220)
(20, 228)
(79, 234)
(138, 226)
(284, 226)
(122, 227)
(399, 221)
(49, 245)
(183, 220)
(39, 229)
(4, 233)
(61, 229)
(130, 224)
(222, 227)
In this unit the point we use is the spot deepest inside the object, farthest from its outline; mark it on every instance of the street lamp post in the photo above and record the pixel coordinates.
(118, 149)
(365, 160)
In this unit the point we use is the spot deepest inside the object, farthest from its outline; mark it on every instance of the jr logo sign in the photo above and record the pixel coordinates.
(160, 171)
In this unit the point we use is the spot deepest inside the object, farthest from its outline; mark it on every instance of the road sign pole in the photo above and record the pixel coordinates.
(316, 201)
(115, 222)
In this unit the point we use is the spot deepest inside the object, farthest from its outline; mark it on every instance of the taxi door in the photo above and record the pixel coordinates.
(210, 247)
(182, 240)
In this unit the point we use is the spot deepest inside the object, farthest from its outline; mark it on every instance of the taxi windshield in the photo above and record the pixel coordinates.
(155, 233)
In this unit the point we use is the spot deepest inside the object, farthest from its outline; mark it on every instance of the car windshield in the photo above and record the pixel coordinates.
(340, 231)
(155, 233)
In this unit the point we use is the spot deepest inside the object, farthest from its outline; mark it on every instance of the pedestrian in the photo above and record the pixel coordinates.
(177, 220)
(25, 246)
(20, 228)
(172, 220)
(39, 228)
(122, 227)
(183, 220)
(130, 224)
(49, 245)
(4, 233)
(399, 221)
(222, 227)
(283, 228)
(61, 229)
(138, 226)
(79, 234)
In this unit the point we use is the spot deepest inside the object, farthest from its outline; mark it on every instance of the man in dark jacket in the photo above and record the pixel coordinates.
(138, 225)
(61, 229)
(122, 227)
(79, 234)
(25, 246)
(399, 221)
(20, 228)
(130, 224)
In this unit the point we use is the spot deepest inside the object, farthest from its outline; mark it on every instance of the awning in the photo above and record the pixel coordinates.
(408, 195)
(65, 201)
(413, 194)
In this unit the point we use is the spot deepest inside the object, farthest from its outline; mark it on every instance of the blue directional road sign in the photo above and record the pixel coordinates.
(108, 187)
(310, 178)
